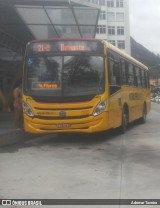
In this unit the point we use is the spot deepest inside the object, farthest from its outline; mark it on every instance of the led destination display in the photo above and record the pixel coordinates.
(65, 46)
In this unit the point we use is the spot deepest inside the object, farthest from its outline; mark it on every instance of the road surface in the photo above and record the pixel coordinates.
(100, 166)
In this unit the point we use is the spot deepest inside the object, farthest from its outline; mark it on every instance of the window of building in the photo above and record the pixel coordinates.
(120, 30)
(121, 44)
(102, 2)
(120, 17)
(110, 16)
(119, 3)
(113, 42)
(95, 1)
(101, 29)
(111, 30)
(102, 15)
(110, 3)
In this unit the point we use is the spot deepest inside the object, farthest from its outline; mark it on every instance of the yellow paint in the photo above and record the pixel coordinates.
(48, 118)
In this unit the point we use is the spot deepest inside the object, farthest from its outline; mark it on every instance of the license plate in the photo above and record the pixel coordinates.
(63, 126)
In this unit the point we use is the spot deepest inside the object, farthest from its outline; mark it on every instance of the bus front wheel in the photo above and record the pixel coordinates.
(124, 125)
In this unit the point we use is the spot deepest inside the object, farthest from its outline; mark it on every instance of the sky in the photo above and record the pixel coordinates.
(145, 23)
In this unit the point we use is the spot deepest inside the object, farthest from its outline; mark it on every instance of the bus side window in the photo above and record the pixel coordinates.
(112, 80)
(143, 78)
(123, 72)
(138, 77)
(114, 76)
(114, 73)
(147, 80)
(130, 74)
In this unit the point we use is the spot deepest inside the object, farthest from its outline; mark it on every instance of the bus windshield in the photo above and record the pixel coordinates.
(64, 75)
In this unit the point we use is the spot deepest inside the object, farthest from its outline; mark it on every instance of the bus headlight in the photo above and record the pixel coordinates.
(100, 108)
(27, 110)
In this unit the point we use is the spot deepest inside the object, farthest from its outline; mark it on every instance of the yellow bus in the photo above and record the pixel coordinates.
(82, 85)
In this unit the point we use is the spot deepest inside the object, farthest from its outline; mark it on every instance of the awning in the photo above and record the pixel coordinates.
(52, 18)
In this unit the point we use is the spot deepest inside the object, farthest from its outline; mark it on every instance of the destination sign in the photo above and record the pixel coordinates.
(43, 85)
(65, 46)
(43, 47)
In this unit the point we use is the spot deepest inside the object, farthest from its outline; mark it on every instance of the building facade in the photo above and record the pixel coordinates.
(113, 23)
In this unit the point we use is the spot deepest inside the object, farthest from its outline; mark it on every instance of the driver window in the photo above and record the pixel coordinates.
(114, 72)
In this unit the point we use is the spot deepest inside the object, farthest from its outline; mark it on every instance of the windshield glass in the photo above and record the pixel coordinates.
(64, 75)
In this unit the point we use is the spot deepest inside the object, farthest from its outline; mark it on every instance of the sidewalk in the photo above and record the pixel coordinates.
(6, 122)
(8, 133)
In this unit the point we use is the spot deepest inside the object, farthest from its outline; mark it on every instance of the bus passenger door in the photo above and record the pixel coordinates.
(115, 105)
(115, 112)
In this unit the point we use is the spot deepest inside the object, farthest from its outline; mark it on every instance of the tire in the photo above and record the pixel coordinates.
(124, 125)
(144, 115)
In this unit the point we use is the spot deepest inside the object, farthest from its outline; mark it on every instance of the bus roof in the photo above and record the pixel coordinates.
(125, 55)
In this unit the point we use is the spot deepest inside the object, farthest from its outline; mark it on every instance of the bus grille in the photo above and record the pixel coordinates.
(60, 118)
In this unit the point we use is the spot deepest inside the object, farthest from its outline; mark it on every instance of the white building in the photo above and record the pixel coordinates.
(113, 23)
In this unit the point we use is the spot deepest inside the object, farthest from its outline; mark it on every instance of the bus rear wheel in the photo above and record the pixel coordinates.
(124, 125)
(144, 115)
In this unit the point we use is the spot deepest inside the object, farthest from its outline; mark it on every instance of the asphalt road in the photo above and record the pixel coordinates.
(100, 166)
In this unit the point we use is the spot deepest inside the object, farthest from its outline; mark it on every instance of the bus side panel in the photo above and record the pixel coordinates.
(115, 110)
(135, 103)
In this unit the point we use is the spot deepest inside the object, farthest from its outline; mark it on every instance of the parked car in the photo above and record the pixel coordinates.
(157, 99)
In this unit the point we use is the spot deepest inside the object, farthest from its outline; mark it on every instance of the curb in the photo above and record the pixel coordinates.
(8, 134)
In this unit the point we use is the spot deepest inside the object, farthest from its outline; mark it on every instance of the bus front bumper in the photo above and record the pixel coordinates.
(86, 125)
